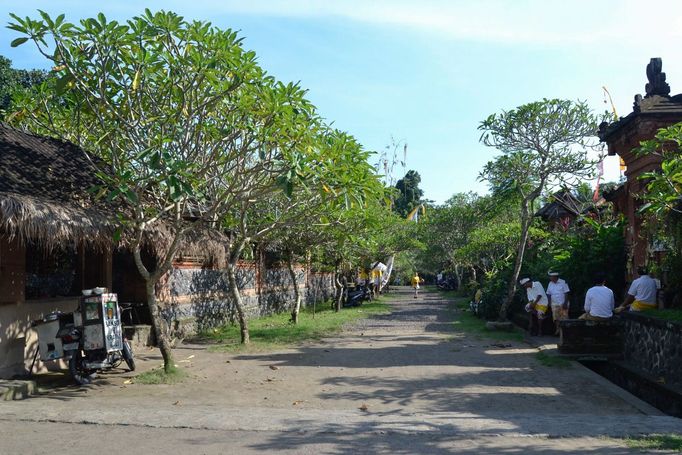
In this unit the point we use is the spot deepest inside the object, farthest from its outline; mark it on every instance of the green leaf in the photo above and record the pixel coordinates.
(62, 83)
(18, 41)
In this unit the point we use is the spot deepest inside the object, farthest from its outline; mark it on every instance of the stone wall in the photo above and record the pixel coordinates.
(654, 346)
(196, 299)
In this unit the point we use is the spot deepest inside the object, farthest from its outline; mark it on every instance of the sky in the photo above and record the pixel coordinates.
(426, 73)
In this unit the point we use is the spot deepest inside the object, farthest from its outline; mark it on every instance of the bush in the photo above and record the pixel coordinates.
(590, 249)
(494, 293)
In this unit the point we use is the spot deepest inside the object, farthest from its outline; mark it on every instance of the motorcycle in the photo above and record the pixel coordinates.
(355, 296)
(90, 339)
(447, 284)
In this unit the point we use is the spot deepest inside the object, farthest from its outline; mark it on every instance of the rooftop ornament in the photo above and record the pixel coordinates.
(657, 86)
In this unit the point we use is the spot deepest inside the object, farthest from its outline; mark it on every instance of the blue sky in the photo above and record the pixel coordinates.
(427, 72)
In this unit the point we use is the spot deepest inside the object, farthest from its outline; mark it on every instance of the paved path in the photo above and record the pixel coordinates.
(400, 383)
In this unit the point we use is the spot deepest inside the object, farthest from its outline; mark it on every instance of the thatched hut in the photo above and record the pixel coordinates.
(561, 209)
(54, 241)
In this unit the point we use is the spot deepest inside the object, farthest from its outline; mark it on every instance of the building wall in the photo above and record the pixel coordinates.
(192, 297)
(198, 299)
(18, 341)
(623, 144)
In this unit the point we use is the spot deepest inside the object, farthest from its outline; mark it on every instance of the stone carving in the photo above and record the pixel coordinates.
(657, 84)
(603, 128)
(636, 104)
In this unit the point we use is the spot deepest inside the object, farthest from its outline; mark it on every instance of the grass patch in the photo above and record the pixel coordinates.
(468, 323)
(668, 314)
(552, 360)
(656, 442)
(450, 294)
(159, 376)
(276, 331)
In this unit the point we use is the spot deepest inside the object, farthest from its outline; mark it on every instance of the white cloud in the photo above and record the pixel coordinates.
(605, 22)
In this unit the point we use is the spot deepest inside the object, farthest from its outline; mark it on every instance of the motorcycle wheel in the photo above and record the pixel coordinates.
(79, 374)
(128, 355)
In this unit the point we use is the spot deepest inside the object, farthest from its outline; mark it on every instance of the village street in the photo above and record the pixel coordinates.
(406, 382)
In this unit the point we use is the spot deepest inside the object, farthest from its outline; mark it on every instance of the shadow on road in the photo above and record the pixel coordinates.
(368, 440)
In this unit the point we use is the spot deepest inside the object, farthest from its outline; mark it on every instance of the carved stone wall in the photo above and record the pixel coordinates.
(654, 346)
(198, 299)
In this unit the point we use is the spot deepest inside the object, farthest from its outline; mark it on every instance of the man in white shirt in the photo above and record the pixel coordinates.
(642, 293)
(557, 295)
(599, 301)
(538, 304)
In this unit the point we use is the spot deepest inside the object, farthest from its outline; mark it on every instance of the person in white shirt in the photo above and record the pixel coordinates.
(642, 293)
(599, 301)
(557, 295)
(537, 303)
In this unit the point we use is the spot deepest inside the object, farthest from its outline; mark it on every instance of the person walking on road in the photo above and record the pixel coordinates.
(557, 295)
(415, 284)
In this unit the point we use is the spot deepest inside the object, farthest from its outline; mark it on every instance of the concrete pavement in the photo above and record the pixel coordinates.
(407, 382)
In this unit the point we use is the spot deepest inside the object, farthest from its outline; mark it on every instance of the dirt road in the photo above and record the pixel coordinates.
(400, 383)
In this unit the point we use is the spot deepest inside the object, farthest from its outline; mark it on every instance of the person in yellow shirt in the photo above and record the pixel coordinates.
(415, 284)
(363, 276)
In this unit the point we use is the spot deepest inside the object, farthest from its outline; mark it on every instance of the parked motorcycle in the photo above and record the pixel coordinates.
(447, 284)
(355, 296)
(91, 338)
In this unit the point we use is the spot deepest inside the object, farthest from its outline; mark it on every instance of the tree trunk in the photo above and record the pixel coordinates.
(339, 290)
(511, 287)
(150, 283)
(297, 294)
(474, 277)
(458, 276)
(238, 304)
(158, 325)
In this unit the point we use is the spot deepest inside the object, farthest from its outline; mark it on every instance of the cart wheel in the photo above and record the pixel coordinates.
(128, 355)
(78, 373)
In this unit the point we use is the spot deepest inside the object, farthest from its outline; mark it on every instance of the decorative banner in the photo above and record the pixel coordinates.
(414, 215)
(389, 269)
(600, 172)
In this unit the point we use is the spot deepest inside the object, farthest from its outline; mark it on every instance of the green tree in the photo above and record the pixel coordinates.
(447, 228)
(664, 186)
(409, 194)
(543, 144)
(331, 177)
(13, 80)
(179, 116)
(662, 208)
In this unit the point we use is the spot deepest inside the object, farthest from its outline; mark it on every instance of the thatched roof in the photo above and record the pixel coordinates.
(561, 204)
(45, 199)
(44, 194)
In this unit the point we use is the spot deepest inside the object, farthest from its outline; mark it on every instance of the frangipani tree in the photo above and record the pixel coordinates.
(179, 117)
(331, 175)
(544, 143)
